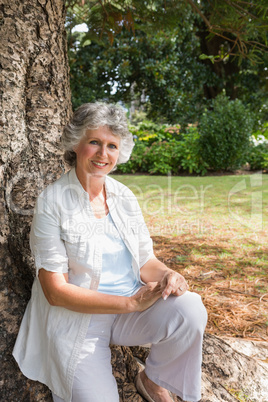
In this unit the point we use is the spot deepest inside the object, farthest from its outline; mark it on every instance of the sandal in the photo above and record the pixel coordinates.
(141, 388)
(142, 391)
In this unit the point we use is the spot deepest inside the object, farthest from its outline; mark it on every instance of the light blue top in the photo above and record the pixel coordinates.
(117, 277)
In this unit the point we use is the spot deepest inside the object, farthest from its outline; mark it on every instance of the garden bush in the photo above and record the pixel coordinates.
(164, 157)
(150, 132)
(262, 133)
(258, 157)
(225, 134)
(191, 160)
(137, 162)
(168, 156)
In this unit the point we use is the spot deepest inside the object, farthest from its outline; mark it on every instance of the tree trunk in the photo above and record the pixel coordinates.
(227, 373)
(35, 104)
(225, 70)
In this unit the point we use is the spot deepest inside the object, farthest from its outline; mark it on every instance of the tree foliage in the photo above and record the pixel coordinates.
(159, 71)
(169, 58)
(241, 23)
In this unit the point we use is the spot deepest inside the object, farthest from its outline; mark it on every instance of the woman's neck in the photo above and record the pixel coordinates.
(92, 184)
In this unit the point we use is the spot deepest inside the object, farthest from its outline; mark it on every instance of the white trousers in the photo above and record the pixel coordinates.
(175, 329)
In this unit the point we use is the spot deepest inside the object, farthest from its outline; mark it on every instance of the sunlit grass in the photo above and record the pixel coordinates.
(202, 205)
(214, 230)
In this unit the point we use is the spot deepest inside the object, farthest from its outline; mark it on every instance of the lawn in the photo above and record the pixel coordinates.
(214, 230)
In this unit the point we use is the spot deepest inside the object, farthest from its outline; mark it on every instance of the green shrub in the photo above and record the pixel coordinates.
(262, 131)
(137, 161)
(164, 157)
(191, 160)
(225, 134)
(258, 157)
(150, 132)
(169, 156)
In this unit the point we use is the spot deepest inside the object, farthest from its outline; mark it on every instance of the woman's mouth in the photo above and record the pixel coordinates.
(99, 164)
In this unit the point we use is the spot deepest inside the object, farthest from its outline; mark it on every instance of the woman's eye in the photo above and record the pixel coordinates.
(94, 142)
(113, 146)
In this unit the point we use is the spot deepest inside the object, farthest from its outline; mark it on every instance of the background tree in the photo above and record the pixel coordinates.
(153, 56)
(242, 23)
(159, 71)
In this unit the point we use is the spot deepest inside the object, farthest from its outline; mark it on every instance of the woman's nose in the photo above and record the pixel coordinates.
(102, 150)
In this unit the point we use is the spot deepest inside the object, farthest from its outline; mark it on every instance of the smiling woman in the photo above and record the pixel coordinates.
(96, 155)
(97, 152)
(98, 281)
(92, 116)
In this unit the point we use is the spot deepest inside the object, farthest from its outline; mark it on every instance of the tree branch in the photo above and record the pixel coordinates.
(199, 12)
(104, 9)
(238, 7)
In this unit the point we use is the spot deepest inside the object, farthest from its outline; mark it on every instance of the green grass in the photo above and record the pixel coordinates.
(202, 205)
(214, 231)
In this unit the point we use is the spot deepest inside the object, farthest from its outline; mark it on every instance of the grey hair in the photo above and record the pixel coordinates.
(91, 116)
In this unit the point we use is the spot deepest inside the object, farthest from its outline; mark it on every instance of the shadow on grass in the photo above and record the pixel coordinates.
(230, 277)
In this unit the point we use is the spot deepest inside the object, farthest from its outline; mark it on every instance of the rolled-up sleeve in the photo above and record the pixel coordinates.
(47, 247)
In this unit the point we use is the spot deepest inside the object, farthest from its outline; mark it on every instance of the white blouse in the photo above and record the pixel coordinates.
(62, 240)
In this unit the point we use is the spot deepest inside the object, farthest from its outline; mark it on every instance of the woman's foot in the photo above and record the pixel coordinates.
(154, 392)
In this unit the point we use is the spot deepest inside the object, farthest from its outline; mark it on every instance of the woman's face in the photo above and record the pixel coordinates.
(97, 152)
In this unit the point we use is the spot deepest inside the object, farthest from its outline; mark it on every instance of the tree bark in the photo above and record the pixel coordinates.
(35, 105)
(226, 372)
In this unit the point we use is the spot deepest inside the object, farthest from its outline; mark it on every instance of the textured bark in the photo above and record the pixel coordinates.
(228, 366)
(35, 104)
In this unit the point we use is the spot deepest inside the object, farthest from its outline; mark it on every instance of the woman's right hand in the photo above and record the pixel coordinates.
(146, 296)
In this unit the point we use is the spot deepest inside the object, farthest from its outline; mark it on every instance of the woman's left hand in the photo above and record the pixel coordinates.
(173, 283)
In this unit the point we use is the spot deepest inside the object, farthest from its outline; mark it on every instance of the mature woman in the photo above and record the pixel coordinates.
(99, 283)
